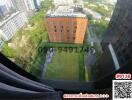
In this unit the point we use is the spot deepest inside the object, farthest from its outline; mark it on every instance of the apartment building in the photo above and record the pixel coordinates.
(117, 42)
(66, 25)
(6, 7)
(3, 10)
(122, 20)
(12, 24)
(27, 6)
(119, 35)
(37, 4)
(20, 5)
(1, 43)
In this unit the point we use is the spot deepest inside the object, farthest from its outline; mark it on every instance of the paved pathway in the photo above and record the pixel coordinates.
(48, 59)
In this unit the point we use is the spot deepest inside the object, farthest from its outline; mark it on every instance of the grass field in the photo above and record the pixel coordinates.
(64, 66)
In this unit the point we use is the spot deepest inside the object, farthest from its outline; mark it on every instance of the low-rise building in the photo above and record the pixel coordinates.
(66, 25)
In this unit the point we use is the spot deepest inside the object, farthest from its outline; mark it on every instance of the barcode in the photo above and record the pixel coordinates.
(122, 89)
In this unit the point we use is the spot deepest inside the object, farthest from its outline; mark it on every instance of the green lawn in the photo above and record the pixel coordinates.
(64, 66)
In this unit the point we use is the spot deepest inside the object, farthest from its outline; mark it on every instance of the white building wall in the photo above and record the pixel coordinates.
(8, 4)
(30, 4)
(38, 2)
(21, 5)
(1, 43)
(12, 25)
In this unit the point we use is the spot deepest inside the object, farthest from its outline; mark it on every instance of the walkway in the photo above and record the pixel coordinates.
(48, 59)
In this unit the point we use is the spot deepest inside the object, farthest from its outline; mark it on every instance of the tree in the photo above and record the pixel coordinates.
(90, 17)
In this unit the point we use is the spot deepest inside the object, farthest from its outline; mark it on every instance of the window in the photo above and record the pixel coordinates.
(54, 26)
(68, 31)
(62, 31)
(73, 38)
(55, 30)
(74, 31)
(75, 27)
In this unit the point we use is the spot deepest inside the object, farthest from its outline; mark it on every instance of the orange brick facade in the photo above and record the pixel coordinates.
(66, 29)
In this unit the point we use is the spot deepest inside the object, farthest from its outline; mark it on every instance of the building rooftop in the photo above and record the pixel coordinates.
(66, 11)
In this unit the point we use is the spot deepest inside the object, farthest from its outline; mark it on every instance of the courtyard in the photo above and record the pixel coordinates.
(64, 66)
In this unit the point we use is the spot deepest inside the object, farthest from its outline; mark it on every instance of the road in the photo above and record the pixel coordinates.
(90, 59)
(92, 37)
(95, 15)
